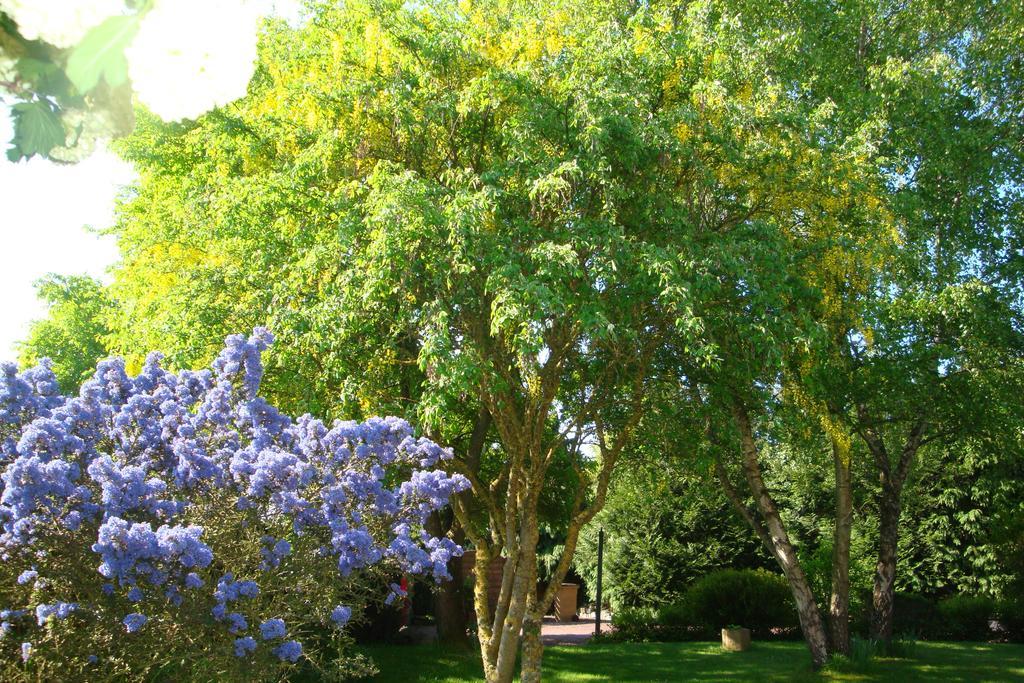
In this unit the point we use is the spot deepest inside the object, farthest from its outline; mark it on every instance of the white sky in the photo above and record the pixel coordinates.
(47, 210)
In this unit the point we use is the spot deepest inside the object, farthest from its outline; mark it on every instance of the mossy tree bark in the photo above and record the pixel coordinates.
(510, 629)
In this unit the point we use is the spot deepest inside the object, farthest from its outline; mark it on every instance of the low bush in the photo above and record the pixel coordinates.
(862, 652)
(965, 617)
(677, 615)
(754, 599)
(635, 625)
(903, 646)
(913, 613)
(675, 624)
(1010, 615)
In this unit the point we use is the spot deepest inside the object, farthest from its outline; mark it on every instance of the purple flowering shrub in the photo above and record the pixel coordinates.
(179, 515)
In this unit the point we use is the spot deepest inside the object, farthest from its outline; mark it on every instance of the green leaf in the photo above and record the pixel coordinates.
(46, 77)
(101, 54)
(37, 130)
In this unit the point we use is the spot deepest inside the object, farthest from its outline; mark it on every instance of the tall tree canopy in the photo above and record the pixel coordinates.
(496, 217)
(549, 231)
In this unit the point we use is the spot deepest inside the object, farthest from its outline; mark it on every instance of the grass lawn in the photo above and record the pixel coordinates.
(967, 662)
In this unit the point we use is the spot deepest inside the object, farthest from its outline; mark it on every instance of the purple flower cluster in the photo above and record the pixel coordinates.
(341, 614)
(272, 628)
(134, 621)
(130, 460)
(273, 552)
(229, 590)
(289, 651)
(245, 646)
(396, 593)
(24, 397)
(58, 610)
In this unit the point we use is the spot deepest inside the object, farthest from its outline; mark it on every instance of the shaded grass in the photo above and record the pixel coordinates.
(650, 662)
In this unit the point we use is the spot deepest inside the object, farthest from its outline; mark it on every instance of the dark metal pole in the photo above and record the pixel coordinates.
(600, 561)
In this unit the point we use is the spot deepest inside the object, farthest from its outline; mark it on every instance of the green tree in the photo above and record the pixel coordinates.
(73, 335)
(469, 224)
(925, 349)
(494, 218)
(532, 228)
(957, 506)
(664, 528)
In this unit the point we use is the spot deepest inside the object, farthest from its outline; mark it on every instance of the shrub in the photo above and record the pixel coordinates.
(172, 517)
(913, 613)
(675, 624)
(677, 615)
(755, 599)
(862, 652)
(965, 617)
(902, 646)
(1010, 615)
(634, 624)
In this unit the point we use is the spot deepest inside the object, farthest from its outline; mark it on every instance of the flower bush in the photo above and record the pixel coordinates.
(176, 517)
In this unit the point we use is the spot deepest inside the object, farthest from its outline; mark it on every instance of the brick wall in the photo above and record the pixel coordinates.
(494, 570)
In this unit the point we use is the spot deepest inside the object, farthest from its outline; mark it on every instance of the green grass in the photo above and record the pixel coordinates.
(649, 662)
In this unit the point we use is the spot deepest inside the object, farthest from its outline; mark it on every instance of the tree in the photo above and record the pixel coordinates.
(937, 340)
(944, 390)
(664, 529)
(496, 261)
(940, 88)
(73, 335)
(531, 227)
(957, 506)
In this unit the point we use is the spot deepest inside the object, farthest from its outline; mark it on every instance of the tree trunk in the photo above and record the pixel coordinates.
(807, 609)
(533, 648)
(482, 607)
(523, 596)
(500, 628)
(513, 626)
(891, 480)
(883, 595)
(449, 610)
(811, 622)
(839, 604)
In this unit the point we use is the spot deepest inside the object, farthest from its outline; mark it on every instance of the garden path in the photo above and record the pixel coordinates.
(554, 632)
